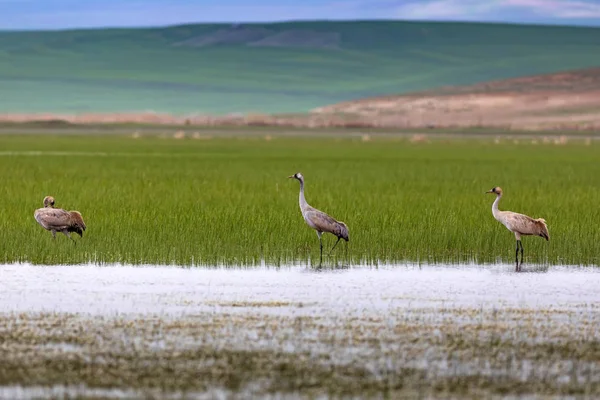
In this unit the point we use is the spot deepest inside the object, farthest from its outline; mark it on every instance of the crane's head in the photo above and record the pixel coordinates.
(49, 201)
(497, 191)
(343, 231)
(298, 176)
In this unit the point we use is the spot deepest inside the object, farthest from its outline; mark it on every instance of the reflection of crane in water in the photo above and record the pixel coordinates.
(58, 220)
(318, 220)
(518, 224)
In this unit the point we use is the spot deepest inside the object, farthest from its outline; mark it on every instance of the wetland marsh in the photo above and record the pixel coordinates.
(227, 201)
(424, 303)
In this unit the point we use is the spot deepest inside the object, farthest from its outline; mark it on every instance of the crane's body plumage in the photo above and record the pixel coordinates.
(318, 220)
(59, 220)
(519, 224)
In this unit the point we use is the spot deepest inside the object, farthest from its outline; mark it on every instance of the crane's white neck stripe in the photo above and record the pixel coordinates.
(302, 199)
(495, 210)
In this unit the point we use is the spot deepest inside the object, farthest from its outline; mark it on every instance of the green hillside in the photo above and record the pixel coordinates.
(285, 67)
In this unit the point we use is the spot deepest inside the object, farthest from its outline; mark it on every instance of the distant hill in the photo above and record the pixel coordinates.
(271, 68)
(559, 102)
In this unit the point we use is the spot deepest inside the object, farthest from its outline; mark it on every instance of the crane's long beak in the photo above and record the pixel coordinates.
(490, 191)
(291, 176)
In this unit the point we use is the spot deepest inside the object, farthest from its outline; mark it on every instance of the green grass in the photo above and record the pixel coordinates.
(113, 70)
(228, 201)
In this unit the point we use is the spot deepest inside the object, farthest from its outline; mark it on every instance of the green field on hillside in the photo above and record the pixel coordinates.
(284, 67)
(229, 201)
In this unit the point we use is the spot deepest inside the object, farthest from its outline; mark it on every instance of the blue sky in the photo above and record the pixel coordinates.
(57, 14)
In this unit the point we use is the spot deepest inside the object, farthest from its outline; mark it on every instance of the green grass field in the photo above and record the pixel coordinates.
(116, 70)
(228, 201)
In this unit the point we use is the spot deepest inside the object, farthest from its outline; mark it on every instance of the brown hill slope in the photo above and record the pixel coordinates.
(562, 100)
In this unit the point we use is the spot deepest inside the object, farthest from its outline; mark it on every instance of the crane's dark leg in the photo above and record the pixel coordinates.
(321, 246)
(334, 245)
(69, 236)
(321, 243)
(521, 264)
(517, 257)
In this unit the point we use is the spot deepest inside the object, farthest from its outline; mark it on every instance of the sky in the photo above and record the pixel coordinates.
(60, 14)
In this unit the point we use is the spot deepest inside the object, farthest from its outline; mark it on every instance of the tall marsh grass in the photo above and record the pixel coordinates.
(228, 201)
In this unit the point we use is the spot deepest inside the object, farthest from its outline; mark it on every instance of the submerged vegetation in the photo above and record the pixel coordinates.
(296, 333)
(228, 201)
(83, 357)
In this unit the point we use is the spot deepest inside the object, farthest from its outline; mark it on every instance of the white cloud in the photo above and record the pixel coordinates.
(559, 8)
(491, 9)
(446, 9)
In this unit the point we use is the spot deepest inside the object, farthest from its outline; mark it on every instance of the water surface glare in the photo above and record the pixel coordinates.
(110, 290)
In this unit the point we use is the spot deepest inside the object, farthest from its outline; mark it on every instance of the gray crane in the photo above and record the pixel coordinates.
(58, 220)
(519, 224)
(318, 220)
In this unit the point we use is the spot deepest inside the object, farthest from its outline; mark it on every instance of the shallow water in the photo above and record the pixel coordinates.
(396, 331)
(122, 289)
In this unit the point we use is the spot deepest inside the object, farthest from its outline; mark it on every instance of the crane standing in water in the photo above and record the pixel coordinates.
(518, 224)
(318, 220)
(58, 220)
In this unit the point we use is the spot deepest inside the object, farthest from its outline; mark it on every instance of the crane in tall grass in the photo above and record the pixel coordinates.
(58, 220)
(519, 224)
(318, 220)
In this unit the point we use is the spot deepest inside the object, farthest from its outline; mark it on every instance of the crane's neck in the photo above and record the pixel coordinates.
(495, 210)
(302, 199)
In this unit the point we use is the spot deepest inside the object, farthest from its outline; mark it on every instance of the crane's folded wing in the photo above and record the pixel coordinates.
(53, 218)
(526, 225)
(323, 222)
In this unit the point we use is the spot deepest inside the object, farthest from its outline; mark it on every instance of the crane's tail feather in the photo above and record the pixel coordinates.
(543, 228)
(76, 223)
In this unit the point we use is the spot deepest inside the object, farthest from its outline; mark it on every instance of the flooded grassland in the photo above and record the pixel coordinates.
(445, 331)
(228, 201)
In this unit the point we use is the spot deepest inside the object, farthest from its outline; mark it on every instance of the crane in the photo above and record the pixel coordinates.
(318, 220)
(58, 220)
(519, 224)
